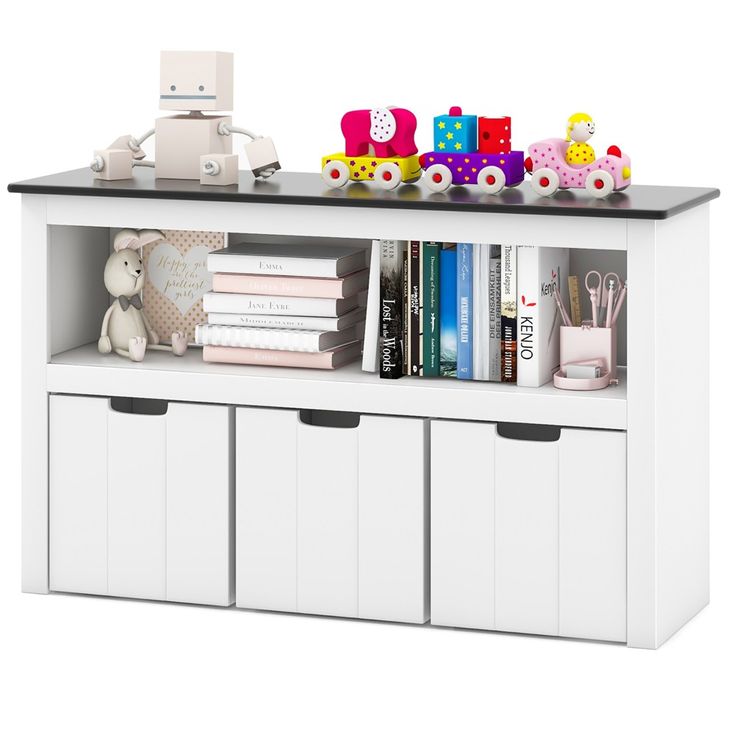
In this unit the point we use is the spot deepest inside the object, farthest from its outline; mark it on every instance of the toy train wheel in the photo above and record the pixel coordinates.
(491, 179)
(438, 177)
(387, 175)
(599, 184)
(335, 174)
(545, 182)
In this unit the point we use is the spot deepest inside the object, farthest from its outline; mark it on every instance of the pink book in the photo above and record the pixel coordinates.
(253, 356)
(245, 283)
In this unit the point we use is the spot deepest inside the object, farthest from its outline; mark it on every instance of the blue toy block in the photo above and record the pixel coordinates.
(455, 132)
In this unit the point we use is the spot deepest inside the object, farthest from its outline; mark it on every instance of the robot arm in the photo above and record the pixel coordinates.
(118, 159)
(261, 152)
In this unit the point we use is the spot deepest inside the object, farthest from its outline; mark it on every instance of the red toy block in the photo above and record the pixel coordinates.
(494, 135)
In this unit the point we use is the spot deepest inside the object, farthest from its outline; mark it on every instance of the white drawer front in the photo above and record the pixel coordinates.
(529, 536)
(140, 503)
(332, 520)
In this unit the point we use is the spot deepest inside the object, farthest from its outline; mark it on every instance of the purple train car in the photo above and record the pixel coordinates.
(472, 150)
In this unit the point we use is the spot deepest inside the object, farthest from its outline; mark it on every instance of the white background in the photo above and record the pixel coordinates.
(658, 81)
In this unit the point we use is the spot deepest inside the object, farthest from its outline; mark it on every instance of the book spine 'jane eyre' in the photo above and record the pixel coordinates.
(390, 357)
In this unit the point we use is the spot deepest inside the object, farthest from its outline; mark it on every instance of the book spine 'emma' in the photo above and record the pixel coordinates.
(464, 310)
(508, 314)
(390, 359)
(430, 309)
(415, 324)
(448, 310)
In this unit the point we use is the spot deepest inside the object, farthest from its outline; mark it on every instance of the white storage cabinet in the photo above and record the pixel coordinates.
(529, 529)
(332, 514)
(140, 497)
(601, 532)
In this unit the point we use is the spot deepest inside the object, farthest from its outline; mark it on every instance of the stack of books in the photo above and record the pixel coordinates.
(284, 305)
(473, 311)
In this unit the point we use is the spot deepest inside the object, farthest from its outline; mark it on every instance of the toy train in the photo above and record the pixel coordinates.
(379, 147)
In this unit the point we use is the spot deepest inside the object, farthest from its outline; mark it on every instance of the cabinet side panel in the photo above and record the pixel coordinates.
(593, 534)
(681, 405)
(34, 420)
(327, 520)
(198, 504)
(462, 492)
(265, 509)
(136, 505)
(391, 532)
(78, 494)
(526, 536)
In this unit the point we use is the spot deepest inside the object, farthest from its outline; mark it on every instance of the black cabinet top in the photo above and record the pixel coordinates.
(636, 202)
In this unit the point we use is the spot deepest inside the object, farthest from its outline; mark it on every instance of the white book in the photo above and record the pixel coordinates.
(267, 304)
(301, 341)
(282, 259)
(539, 271)
(373, 306)
(289, 322)
(481, 309)
(494, 317)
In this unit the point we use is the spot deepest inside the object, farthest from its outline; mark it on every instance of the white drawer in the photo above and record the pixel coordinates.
(529, 535)
(332, 519)
(140, 496)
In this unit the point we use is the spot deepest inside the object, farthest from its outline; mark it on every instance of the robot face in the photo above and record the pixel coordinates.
(196, 80)
(582, 131)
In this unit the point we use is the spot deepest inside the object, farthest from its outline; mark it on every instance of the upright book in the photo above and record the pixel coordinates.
(373, 310)
(390, 354)
(430, 308)
(465, 310)
(288, 259)
(494, 315)
(508, 313)
(415, 308)
(540, 271)
(481, 312)
(448, 310)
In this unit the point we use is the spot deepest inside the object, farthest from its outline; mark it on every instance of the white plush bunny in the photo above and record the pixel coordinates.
(125, 327)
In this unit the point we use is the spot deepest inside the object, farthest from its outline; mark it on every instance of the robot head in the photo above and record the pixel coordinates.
(196, 80)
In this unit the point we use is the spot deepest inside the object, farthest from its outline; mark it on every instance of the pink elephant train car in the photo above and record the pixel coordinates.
(379, 146)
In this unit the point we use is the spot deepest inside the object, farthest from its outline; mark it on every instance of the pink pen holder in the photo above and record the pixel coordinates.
(587, 346)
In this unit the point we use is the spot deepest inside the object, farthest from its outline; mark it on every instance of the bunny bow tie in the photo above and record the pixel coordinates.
(134, 301)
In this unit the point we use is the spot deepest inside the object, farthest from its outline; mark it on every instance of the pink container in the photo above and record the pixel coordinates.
(591, 345)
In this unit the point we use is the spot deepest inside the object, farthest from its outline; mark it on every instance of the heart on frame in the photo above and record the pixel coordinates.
(182, 278)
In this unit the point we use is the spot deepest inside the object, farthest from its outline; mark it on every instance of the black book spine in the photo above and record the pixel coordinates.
(415, 319)
(391, 310)
(405, 311)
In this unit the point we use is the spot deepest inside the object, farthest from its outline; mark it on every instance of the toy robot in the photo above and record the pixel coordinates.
(191, 145)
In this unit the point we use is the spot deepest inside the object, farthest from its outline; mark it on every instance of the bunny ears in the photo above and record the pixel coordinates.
(135, 239)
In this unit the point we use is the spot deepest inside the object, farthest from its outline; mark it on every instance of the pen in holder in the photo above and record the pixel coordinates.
(587, 357)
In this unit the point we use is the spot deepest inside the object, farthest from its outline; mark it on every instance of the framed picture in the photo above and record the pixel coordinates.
(177, 278)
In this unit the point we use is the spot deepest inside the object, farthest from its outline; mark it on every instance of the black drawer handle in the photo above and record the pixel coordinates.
(323, 418)
(528, 432)
(146, 407)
